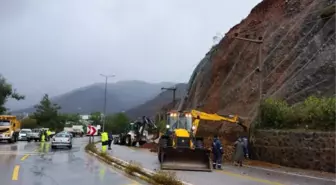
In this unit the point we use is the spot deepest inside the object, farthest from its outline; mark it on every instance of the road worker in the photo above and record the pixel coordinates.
(246, 152)
(110, 138)
(238, 156)
(104, 139)
(218, 152)
(42, 136)
(48, 135)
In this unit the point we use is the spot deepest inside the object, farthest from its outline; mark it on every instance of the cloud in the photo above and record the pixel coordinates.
(55, 46)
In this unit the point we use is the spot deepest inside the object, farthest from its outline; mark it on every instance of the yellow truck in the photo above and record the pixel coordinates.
(9, 128)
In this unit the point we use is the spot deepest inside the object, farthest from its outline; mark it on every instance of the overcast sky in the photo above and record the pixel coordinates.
(55, 46)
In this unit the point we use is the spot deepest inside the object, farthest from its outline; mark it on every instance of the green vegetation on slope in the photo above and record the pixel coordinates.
(314, 113)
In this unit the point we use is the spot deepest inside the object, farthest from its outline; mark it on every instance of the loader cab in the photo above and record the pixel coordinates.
(176, 120)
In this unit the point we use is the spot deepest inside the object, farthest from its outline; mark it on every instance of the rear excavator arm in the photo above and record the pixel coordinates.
(198, 115)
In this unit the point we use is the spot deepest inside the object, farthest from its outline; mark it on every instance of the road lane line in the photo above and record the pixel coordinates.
(15, 175)
(249, 177)
(24, 157)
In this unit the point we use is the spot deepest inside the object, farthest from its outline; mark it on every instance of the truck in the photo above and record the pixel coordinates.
(9, 128)
(137, 132)
(35, 135)
(75, 130)
(78, 130)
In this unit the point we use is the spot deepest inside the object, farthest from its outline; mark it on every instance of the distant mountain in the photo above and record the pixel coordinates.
(121, 96)
(150, 107)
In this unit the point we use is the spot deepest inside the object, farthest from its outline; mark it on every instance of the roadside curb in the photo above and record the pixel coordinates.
(121, 164)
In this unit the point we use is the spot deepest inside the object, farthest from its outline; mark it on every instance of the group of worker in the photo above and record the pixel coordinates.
(240, 152)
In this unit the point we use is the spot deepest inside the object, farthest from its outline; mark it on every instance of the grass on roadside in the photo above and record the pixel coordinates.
(133, 167)
(165, 178)
(158, 178)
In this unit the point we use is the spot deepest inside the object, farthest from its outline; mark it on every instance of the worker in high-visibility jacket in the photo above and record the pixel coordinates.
(42, 135)
(104, 139)
(48, 135)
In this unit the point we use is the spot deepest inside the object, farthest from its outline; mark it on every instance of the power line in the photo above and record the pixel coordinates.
(174, 91)
(280, 26)
(309, 61)
(249, 75)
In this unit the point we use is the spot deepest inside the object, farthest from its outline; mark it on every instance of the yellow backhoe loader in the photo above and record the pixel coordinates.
(178, 147)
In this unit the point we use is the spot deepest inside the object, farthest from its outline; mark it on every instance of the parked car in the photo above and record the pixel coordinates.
(34, 135)
(61, 139)
(23, 134)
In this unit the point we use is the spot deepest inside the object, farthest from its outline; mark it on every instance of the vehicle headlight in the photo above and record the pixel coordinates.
(167, 126)
(193, 127)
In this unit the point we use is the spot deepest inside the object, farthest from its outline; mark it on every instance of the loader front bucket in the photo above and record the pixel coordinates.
(185, 159)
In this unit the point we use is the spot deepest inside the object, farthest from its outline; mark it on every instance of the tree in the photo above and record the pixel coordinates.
(6, 92)
(46, 114)
(72, 118)
(96, 118)
(29, 123)
(116, 123)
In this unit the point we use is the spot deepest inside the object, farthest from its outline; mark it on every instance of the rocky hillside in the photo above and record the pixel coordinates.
(297, 59)
(151, 107)
(121, 96)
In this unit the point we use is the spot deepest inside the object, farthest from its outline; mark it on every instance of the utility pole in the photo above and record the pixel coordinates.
(174, 91)
(258, 41)
(105, 94)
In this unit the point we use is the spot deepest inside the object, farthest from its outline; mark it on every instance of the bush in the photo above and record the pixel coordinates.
(275, 114)
(316, 113)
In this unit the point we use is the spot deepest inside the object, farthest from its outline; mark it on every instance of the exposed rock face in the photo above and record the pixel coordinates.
(298, 56)
(297, 60)
(308, 150)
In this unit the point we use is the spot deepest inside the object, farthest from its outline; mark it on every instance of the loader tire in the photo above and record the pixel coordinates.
(128, 141)
(162, 144)
(160, 156)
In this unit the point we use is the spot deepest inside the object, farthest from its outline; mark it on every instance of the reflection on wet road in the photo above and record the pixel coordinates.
(36, 164)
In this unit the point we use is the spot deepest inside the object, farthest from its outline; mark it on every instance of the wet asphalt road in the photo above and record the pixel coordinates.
(230, 175)
(33, 163)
